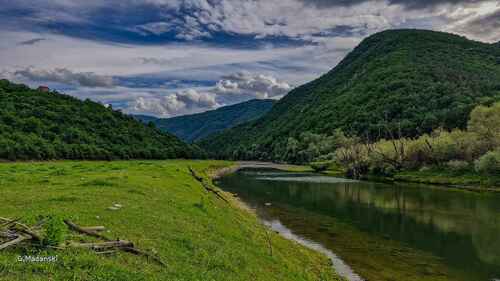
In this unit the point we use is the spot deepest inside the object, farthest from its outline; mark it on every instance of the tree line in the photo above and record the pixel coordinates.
(36, 125)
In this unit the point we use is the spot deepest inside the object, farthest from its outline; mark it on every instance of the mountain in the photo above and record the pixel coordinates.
(42, 125)
(145, 118)
(195, 127)
(408, 81)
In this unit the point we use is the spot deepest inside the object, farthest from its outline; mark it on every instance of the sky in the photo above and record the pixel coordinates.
(174, 57)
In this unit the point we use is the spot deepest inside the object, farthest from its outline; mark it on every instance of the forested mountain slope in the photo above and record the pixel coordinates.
(194, 127)
(410, 81)
(48, 125)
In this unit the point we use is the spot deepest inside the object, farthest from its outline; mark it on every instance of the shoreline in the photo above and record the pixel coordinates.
(447, 185)
(164, 210)
(256, 165)
(341, 268)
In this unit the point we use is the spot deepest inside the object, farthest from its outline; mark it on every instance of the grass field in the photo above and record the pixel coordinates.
(165, 211)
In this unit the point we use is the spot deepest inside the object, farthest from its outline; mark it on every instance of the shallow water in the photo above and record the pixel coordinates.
(382, 231)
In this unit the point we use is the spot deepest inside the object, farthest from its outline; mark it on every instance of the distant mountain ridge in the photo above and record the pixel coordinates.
(42, 125)
(191, 128)
(409, 81)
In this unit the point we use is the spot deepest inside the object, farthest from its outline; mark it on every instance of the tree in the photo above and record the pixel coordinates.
(485, 122)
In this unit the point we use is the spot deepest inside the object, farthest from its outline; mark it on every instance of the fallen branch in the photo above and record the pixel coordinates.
(15, 225)
(26, 230)
(18, 233)
(8, 235)
(14, 242)
(104, 245)
(6, 224)
(123, 245)
(85, 231)
(206, 186)
(193, 173)
(145, 254)
(107, 252)
(95, 228)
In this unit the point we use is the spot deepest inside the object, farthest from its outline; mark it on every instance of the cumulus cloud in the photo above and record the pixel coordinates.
(186, 102)
(229, 90)
(65, 76)
(247, 86)
(482, 23)
(205, 19)
(310, 19)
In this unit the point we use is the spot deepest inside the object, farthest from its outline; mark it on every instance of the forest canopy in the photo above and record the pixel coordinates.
(38, 125)
(412, 81)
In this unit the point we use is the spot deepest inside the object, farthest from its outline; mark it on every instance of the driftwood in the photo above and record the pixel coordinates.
(206, 186)
(85, 231)
(28, 231)
(100, 246)
(13, 233)
(95, 228)
(139, 252)
(122, 245)
(7, 223)
(14, 242)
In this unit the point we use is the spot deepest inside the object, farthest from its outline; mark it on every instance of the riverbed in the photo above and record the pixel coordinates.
(379, 232)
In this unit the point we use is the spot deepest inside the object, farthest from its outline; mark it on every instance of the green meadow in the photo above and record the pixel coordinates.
(163, 210)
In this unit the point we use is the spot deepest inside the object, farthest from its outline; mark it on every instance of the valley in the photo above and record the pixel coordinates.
(386, 167)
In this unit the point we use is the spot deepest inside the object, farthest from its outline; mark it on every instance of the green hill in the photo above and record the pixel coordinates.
(411, 81)
(194, 127)
(48, 125)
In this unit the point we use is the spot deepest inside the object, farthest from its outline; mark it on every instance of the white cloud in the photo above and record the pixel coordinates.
(156, 28)
(246, 86)
(231, 89)
(302, 19)
(186, 102)
(64, 76)
(125, 59)
(481, 22)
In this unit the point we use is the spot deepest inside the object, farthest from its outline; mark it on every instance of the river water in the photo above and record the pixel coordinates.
(379, 232)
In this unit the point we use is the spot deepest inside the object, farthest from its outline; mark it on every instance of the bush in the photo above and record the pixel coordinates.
(489, 164)
(458, 165)
(55, 231)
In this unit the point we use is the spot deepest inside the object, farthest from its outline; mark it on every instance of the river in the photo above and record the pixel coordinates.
(379, 232)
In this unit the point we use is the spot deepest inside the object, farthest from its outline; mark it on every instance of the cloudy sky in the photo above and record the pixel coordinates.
(175, 57)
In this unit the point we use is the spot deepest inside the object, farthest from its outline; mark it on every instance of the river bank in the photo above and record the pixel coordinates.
(218, 172)
(163, 210)
(440, 177)
(443, 179)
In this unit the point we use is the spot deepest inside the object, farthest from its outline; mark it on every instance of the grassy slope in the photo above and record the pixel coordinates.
(165, 210)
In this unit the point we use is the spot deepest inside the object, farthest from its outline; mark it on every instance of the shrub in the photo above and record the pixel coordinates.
(485, 122)
(457, 165)
(489, 164)
(55, 231)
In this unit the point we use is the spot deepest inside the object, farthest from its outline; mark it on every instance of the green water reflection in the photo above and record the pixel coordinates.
(462, 229)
